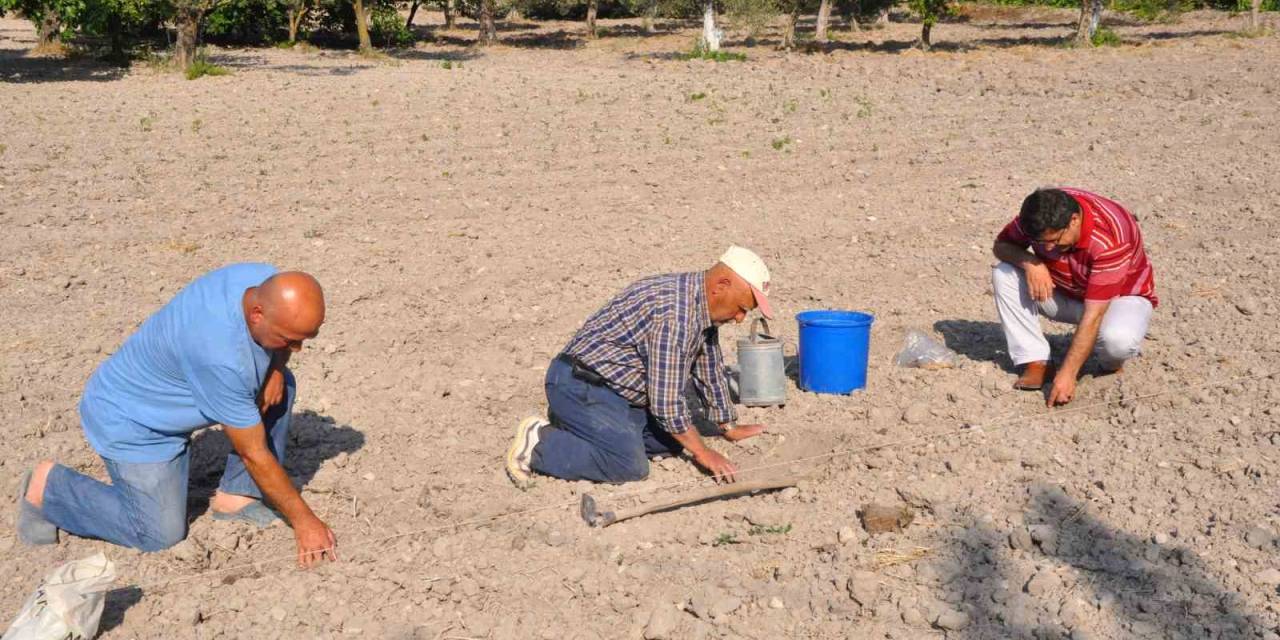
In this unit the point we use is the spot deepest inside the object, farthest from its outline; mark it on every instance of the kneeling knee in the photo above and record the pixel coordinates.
(1004, 271)
(630, 470)
(161, 537)
(1118, 344)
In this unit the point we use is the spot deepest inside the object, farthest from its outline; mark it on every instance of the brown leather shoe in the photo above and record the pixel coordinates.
(1033, 377)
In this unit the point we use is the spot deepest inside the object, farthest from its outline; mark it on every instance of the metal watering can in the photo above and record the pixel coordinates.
(762, 378)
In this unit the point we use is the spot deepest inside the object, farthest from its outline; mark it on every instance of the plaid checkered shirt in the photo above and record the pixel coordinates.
(649, 340)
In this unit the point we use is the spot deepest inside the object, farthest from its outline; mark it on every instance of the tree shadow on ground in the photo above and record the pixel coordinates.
(17, 68)
(313, 439)
(561, 39)
(352, 66)
(454, 55)
(1089, 571)
(117, 602)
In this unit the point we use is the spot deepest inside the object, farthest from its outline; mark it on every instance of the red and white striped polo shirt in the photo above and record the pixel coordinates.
(1108, 261)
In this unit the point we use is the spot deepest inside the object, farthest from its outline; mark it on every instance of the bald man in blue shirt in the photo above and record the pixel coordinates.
(215, 354)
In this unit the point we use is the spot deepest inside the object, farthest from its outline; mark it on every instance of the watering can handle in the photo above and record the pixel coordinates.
(755, 324)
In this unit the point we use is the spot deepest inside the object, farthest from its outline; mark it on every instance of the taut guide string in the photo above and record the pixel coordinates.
(997, 424)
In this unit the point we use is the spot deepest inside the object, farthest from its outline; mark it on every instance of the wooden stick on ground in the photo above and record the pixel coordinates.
(598, 517)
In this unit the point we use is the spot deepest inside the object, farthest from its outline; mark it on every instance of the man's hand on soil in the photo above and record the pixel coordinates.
(715, 464)
(742, 432)
(315, 542)
(1063, 390)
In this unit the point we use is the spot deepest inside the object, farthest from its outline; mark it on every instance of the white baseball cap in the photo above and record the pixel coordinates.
(750, 267)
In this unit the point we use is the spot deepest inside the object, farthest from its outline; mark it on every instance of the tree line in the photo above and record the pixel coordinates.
(120, 24)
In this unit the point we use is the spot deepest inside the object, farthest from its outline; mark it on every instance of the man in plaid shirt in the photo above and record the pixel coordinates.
(616, 394)
(1086, 266)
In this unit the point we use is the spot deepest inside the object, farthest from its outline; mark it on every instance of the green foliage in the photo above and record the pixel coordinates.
(863, 10)
(780, 144)
(930, 11)
(700, 52)
(759, 529)
(201, 67)
(246, 21)
(752, 16)
(1152, 10)
(1105, 37)
(864, 106)
(388, 29)
(694, 97)
(1149, 9)
(724, 539)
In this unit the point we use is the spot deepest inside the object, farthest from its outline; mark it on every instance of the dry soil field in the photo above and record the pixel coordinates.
(465, 218)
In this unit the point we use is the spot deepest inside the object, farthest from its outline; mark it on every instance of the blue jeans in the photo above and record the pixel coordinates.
(595, 433)
(145, 506)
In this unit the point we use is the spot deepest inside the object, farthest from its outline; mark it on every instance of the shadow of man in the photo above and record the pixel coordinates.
(313, 439)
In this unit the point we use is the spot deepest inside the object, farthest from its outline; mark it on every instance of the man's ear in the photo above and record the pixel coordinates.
(722, 285)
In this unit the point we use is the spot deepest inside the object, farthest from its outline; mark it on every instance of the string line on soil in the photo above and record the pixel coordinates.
(997, 424)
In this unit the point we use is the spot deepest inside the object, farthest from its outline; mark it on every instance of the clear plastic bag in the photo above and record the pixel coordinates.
(68, 605)
(922, 351)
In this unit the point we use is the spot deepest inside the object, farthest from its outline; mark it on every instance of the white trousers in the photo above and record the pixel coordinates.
(1123, 326)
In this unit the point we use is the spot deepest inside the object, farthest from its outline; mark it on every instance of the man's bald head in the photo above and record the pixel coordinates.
(285, 310)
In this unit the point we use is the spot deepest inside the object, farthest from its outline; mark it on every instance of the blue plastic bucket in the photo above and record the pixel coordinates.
(833, 350)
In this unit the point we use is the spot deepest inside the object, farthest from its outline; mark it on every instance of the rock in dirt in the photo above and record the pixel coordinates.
(912, 617)
(1020, 539)
(916, 413)
(725, 606)
(191, 551)
(1247, 306)
(1258, 537)
(776, 603)
(662, 622)
(846, 535)
(951, 620)
(700, 603)
(1041, 582)
(882, 518)
(1267, 577)
(863, 587)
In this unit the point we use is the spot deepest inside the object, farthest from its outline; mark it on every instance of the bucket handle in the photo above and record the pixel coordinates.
(755, 324)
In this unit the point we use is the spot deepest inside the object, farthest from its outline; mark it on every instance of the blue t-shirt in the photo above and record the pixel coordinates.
(190, 365)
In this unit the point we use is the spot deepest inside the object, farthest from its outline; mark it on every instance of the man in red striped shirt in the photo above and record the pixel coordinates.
(1086, 266)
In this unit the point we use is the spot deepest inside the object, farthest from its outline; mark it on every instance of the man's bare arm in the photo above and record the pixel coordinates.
(313, 536)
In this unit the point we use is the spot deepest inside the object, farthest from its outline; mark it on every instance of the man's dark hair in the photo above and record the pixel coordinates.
(1045, 210)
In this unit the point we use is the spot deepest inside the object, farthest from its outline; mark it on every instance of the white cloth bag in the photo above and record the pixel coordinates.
(68, 604)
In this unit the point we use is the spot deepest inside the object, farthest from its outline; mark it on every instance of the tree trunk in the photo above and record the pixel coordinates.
(1090, 16)
(488, 24)
(824, 17)
(650, 15)
(592, 7)
(710, 34)
(1255, 15)
(413, 10)
(789, 29)
(362, 27)
(296, 16)
(849, 10)
(187, 20)
(49, 31)
(448, 15)
(115, 31)
(882, 19)
(924, 35)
